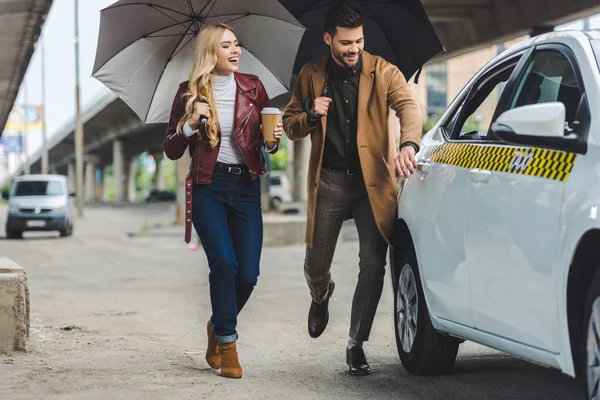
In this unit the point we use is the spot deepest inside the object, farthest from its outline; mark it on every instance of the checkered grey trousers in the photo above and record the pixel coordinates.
(340, 194)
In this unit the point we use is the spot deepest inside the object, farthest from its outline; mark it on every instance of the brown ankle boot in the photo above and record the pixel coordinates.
(230, 365)
(213, 358)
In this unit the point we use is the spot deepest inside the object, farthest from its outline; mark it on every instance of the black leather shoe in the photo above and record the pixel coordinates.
(357, 361)
(318, 315)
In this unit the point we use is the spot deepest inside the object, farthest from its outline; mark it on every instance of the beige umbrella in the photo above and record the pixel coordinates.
(145, 49)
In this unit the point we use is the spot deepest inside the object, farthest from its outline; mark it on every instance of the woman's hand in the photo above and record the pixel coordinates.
(200, 109)
(277, 133)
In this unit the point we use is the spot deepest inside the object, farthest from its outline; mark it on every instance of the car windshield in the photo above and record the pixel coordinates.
(38, 188)
(596, 47)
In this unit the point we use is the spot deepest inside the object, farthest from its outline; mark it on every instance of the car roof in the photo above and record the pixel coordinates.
(40, 177)
(556, 36)
(593, 34)
(553, 37)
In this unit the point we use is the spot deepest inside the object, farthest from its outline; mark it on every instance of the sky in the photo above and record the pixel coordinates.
(57, 37)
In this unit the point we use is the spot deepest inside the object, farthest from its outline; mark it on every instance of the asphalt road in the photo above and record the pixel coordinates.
(113, 317)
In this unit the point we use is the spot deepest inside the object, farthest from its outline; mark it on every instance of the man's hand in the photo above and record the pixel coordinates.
(405, 162)
(321, 105)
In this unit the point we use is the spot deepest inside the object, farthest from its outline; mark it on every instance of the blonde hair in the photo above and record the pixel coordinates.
(200, 84)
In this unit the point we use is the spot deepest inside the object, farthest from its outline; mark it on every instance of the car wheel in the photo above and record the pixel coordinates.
(422, 349)
(14, 234)
(68, 231)
(591, 340)
(276, 203)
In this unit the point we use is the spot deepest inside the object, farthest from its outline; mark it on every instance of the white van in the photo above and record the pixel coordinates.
(279, 188)
(39, 203)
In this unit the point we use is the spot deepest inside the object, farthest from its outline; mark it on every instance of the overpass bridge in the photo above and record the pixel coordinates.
(20, 26)
(114, 135)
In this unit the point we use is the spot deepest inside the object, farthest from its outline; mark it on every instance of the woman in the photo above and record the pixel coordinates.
(217, 115)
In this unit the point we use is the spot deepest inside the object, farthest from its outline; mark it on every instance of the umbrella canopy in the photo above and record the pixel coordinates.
(397, 30)
(145, 49)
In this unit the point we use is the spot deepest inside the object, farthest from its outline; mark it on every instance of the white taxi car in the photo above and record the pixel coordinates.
(498, 233)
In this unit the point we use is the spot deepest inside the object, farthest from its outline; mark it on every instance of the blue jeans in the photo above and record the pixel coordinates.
(227, 216)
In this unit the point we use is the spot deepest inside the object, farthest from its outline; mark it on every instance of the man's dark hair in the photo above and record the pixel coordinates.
(343, 15)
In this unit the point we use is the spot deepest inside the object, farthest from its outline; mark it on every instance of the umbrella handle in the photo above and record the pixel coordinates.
(203, 118)
(326, 83)
(323, 94)
(307, 110)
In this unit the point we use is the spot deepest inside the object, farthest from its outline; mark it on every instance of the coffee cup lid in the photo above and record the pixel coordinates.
(270, 110)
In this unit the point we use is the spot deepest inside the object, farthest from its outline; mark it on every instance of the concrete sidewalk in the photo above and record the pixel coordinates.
(113, 316)
(279, 230)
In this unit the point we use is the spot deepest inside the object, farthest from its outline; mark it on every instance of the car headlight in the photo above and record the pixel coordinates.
(62, 209)
(13, 209)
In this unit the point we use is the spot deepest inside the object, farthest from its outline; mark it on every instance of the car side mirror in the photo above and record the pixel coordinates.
(541, 125)
(72, 194)
(538, 120)
(5, 195)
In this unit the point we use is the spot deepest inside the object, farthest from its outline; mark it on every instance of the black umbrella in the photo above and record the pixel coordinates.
(397, 30)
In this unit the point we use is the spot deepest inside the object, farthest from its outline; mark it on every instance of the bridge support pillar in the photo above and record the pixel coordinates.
(90, 180)
(71, 176)
(158, 182)
(131, 178)
(105, 185)
(301, 157)
(119, 171)
(99, 177)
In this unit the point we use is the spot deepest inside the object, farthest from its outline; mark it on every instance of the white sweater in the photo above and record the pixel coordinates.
(224, 88)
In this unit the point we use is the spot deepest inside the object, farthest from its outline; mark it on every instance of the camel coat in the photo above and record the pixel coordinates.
(382, 87)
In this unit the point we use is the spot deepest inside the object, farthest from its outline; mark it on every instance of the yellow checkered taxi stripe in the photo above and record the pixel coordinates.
(542, 163)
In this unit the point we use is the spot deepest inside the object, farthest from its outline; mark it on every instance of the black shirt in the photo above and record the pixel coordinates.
(341, 149)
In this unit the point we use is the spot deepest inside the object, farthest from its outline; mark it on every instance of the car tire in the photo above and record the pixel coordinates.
(276, 203)
(68, 231)
(14, 234)
(591, 341)
(422, 349)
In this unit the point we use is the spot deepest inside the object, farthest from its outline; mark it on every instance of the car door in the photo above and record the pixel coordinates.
(514, 200)
(439, 195)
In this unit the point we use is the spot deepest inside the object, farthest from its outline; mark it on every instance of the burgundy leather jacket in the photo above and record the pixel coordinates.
(251, 97)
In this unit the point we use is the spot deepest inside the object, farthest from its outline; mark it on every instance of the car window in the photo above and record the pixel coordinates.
(474, 117)
(596, 47)
(549, 77)
(38, 188)
(275, 181)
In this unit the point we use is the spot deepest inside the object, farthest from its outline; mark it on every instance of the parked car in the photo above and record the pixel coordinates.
(498, 231)
(156, 195)
(279, 188)
(39, 203)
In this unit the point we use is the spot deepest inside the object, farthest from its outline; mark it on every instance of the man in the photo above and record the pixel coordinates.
(353, 166)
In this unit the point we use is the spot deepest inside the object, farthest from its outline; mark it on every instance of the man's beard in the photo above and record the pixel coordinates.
(340, 57)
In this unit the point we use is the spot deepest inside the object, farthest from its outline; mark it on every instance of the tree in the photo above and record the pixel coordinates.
(279, 160)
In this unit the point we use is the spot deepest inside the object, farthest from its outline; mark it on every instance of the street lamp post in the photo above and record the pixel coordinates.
(78, 123)
(44, 138)
(27, 169)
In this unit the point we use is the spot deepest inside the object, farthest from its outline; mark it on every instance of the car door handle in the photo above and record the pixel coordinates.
(424, 167)
(480, 175)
